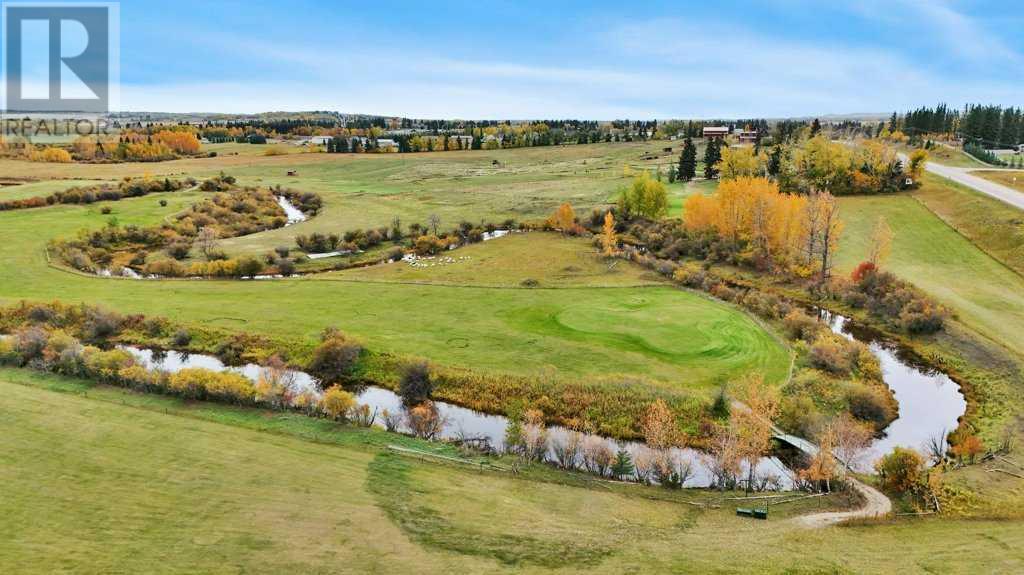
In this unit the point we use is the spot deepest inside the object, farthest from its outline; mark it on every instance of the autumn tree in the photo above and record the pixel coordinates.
(659, 426)
(900, 470)
(752, 424)
(916, 165)
(609, 240)
(821, 231)
(738, 163)
(206, 239)
(881, 242)
(969, 447)
(564, 219)
(822, 467)
(644, 198)
(751, 211)
(823, 164)
(336, 402)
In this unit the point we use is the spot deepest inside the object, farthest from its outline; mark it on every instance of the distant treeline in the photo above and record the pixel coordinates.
(990, 126)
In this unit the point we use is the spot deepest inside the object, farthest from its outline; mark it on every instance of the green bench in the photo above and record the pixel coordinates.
(755, 513)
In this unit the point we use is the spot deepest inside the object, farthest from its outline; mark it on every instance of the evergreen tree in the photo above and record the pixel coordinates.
(815, 127)
(712, 155)
(671, 173)
(775, 161)
(688, 161)
(623, 465)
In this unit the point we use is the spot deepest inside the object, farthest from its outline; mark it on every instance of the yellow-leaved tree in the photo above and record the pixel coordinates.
(609, 239)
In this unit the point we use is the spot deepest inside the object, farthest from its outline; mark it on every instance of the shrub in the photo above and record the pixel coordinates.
(8, 355)
(232, 387)
(179, 250)
(922, 317)
(285, 267)
(30, 342)
(181, 338)
(249, 267)
(799, 325)
(335, 359)
(429, 245)
(416, 385)
(100, 325)
(901, 470)
(833, 353)
(869, 405)
(105, 365)
(425, 421)
(336, 402)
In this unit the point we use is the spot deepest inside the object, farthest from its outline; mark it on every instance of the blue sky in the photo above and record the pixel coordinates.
(598, 60)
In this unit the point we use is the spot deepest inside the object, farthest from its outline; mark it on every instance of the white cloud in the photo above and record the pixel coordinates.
(691, 70)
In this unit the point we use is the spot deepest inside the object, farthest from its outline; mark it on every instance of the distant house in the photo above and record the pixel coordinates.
(384, 143)
(718, 132)
(746, 136)
(1020, 148)
(313, 141)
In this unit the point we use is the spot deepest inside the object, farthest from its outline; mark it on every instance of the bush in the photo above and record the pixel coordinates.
(181, 338)
(831, 353)
(179, 250)
(249, 267)
(336, 403)
(799, 325)
(100, 325)
(285, 267)
(901, 470)
(416, 385)
(335, 359)
(30, 342)
(429, 245)
(869, 405)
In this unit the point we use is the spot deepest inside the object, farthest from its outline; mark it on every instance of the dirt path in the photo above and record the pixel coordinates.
(876, 504)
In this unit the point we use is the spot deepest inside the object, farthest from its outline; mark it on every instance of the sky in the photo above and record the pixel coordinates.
(565, 59)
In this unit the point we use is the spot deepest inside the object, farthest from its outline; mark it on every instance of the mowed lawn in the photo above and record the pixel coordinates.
(683, 339)
(985, 294)
(100, 480)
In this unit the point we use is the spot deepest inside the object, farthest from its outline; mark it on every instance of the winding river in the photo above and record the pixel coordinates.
(930, 404)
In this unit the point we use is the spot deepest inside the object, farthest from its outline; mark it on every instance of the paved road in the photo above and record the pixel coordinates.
(965, 177)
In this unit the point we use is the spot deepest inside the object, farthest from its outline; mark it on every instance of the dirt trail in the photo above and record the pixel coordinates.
(876, 504)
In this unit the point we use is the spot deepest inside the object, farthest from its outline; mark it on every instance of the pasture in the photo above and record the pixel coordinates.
(238, 490)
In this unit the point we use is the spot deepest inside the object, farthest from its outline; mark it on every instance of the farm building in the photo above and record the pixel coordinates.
(716, 131)
(746, 136)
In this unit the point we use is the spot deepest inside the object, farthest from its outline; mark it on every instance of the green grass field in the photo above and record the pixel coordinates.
(43, 188)
(653, 331)
(99, 480)
(985, 293)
